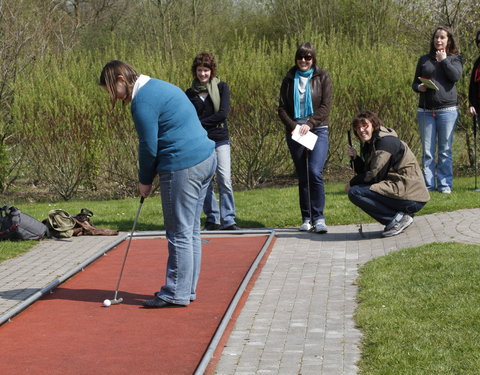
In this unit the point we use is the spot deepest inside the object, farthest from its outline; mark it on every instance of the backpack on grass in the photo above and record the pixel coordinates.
(16, 225)
(60, 223)
(63, 225)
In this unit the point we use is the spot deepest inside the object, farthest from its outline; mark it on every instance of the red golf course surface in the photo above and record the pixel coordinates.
(71, 332)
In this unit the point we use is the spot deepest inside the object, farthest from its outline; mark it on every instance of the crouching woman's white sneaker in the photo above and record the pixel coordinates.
(306, 226)
(398, 227)
(320, 226)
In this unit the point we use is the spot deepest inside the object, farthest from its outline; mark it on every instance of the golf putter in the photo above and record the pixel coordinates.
(115, 300)
(360, 228)
(475, 149)
(308, 191)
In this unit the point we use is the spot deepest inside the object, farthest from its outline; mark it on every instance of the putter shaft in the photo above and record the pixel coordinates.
(116, 301)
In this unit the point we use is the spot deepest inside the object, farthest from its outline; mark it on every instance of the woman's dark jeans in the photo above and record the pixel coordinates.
(381, 208)
(316, 162)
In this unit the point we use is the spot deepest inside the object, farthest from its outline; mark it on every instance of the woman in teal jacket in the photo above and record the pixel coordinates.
(174, 145)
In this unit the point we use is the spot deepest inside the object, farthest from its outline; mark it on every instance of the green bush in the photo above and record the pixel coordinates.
(58, 125)
(4, 166)
(60, 110)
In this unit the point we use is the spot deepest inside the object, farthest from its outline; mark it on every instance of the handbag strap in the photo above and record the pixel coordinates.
(5, 210)
(87, 212)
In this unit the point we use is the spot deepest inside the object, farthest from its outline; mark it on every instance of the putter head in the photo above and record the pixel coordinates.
(116, 301)
(360, 230)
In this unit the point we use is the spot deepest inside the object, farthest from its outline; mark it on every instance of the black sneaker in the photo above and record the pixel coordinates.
(211, 226)
(231, 227)
(399, 227)
(158, 303)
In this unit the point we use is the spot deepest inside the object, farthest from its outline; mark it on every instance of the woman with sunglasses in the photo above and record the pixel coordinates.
(388, 184)
(305, 99)
(438, 108)
(474, 88)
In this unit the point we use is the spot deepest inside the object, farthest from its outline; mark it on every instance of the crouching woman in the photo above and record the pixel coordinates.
(388, 185)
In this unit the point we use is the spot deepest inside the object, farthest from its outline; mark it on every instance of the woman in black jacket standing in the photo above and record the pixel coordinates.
(438, 108)
(211, 98)
(305, 100)
(474, 88)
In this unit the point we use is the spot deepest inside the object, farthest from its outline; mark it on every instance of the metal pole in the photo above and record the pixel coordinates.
(475, 149)
(308, 189)
(115, 300)
(360, 225)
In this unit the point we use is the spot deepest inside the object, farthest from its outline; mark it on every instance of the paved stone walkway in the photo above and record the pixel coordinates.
(298, 318)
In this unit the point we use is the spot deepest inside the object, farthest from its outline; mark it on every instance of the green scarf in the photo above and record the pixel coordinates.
(211, 87)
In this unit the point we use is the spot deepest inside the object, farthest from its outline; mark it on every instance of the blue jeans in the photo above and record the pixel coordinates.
(183, 193)
(225, 215)
(437, 128)
(381, 208)
(316, 162)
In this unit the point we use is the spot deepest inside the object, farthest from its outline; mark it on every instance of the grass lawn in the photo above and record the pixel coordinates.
(11, 249)
(419, 311)
(260, 208)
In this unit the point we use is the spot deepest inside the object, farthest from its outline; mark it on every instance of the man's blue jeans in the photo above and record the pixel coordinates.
(225, 215)
(381, 208)
(316, 162)
(183, 193)
(437, 128)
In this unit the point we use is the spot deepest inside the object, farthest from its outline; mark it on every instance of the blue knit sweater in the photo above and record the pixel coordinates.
(170, 135)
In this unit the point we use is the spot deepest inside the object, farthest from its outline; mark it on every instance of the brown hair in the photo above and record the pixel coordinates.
(109, 77)
(451, 44)
(306, 49)
(367, 115)
(207, 60)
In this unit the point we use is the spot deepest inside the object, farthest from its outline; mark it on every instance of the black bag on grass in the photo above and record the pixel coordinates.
(15, 225)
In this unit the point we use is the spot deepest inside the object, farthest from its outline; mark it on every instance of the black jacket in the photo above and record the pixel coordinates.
(215, 123)
(321, 91)
(444, 74)
(474, 88)
(390, 168)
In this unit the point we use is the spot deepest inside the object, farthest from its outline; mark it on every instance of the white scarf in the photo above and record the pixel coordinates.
(141, 80)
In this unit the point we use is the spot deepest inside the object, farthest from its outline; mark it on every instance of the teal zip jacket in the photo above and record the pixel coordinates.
(170, 134)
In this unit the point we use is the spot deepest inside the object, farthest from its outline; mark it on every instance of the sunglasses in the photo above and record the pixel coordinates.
(362, 125)
(306, 58)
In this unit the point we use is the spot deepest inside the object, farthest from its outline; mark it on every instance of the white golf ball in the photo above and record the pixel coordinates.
(107, 302)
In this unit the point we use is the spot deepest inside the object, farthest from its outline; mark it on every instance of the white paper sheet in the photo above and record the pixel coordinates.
(308, 140)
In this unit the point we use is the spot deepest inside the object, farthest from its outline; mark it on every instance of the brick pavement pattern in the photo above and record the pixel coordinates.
(298, 318)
